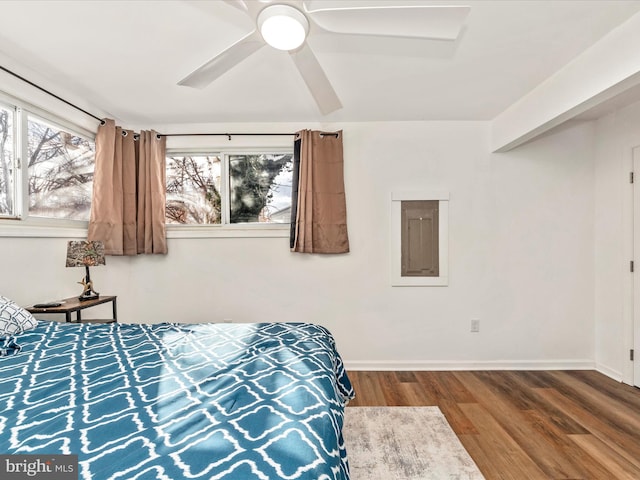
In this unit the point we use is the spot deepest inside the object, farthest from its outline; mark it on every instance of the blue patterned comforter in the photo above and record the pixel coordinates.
(176, 401)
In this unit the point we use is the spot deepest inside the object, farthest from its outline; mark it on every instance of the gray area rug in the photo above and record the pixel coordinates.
(404, 443)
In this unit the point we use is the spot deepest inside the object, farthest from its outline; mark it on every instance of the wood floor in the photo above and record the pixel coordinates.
(525, 425)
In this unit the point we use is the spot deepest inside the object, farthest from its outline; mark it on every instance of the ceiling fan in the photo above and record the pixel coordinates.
(285, 25)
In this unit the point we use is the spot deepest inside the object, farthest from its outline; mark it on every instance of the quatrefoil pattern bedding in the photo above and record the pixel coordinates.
(174, 401)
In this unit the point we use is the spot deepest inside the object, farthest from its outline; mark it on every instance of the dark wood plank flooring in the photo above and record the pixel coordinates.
(525, 425)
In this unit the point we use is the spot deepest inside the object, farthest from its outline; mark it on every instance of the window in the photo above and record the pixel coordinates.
(193, 189)
(260, 188)
(7, 163)
(229, 188)
(419, 239)
(46, 170)
(60, 171)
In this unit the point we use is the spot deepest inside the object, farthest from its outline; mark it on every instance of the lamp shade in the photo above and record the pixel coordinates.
(85, 253)
(283, 27)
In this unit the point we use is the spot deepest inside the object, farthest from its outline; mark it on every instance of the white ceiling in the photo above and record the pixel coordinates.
(126, 57)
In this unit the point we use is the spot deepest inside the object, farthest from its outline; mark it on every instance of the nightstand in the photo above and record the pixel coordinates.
(70, 305)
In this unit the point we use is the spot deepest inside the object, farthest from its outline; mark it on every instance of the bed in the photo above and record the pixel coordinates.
(176, 401)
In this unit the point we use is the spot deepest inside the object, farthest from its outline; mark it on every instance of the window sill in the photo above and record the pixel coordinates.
(66, 229)
(42, 229)
(228, 231)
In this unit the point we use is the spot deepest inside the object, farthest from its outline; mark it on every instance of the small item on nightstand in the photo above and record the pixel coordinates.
(47, 305)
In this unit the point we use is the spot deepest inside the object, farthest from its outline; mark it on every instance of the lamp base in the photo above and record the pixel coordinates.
(89, 296)
(88, 292)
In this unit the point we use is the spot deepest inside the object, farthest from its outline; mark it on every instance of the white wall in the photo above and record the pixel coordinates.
(521, 258)
(616, 135)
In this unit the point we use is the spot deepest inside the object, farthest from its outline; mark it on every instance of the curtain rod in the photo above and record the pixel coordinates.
(49, 93)
(228, 135)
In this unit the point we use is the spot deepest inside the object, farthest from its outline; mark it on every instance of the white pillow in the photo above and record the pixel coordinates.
(14, 319)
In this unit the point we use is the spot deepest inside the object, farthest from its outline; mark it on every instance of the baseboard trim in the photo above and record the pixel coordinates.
(372, 365)
(610, 372)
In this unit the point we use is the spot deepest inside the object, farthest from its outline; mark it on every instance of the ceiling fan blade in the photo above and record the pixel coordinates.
(432, 21)
(250, 7)
(316, 80)
(239, 4)
(225, 61)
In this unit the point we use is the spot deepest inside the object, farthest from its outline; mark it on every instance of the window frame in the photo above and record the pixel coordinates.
(21, 224)
(397, 280)
(17, 170)
(226, 229)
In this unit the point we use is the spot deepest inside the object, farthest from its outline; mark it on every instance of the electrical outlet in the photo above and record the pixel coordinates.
(227, 320)
(475, 325)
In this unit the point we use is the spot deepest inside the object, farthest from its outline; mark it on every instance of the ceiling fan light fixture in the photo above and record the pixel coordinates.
(283, 27)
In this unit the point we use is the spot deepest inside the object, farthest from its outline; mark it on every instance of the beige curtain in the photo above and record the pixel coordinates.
(152, 188)
(320, 207)
(127, 208)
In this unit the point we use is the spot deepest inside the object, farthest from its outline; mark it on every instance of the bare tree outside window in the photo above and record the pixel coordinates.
(193, 190)
(260, 188)
(7, 156)
(60, 168)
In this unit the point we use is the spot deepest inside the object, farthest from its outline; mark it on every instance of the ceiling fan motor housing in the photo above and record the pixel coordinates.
(283, 26)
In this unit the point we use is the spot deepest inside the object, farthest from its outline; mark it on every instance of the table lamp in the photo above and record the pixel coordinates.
(86, 254)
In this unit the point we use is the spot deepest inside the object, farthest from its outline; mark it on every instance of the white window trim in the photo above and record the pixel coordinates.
(17, 176)
(42, 229)
(397, 280)
(280, 230)
(32, 109)
(51, 228)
